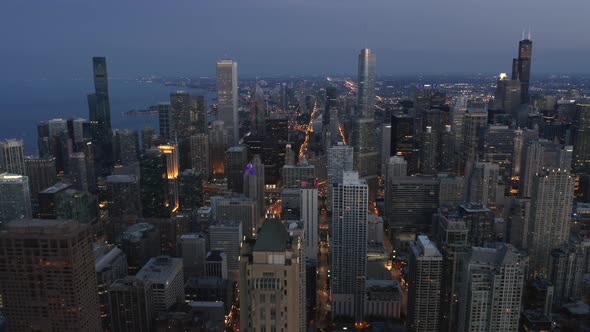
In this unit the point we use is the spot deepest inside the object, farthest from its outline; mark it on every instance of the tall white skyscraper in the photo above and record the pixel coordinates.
(340, 159)
(551, 209)
(349, 246)
(426, 270)
(493, 280)
(227, 96)
(12, 159)
(310, 216)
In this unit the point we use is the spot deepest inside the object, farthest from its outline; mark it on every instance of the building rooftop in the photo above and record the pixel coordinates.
(105, 255)
(215, 256)
(9, 177)
(58, 228)
(495, 254)
(428, 248)
(56, 188)
(123, 178)
(272, 236)
(136, 232)
(160, 270)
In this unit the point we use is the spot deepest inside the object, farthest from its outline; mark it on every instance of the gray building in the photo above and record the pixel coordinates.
(227, 95)
(132, 305)
(15, 199)
(165, 274)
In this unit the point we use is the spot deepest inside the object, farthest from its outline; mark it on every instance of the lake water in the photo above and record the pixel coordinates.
(24, 103)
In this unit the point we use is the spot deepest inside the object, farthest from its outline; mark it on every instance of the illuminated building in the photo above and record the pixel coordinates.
(154, 184)
(507, 97)
(218, 144)
(227, 95)
(132, 305)
(12, 159)
(348, 247)
(424, 293)
(15, 199)
(366, 83)
(172, 170)
(272, 281)
(236, 159)
(254, 184)
(493, 280)
(540, 154)
(100, 119)
(64, 295)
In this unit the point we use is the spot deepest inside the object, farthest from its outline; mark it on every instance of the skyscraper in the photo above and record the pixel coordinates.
(42, 174)
(581, 162)
(310, 217)
(507, 97)
(63, 296)
(236, 159)
(426, 273)
(170, 151)
(227, 96)
(132, 305)
(490, 299)
(340, 159)
(551, 206)
(12, 159)
(349, 246)
(110, 265)
(165, 274)
(199, 145)
(254, 184)
(257, 111)
(226, 236)
(15, 200)
(154, 184)
(100, 118)
(473, 126)
(127, 147)
(366, 83)
(272, 281)
(193, 250)
(522, 64)
(482, 183)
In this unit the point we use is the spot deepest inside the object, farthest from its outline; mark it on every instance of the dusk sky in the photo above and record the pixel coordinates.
(56, 38)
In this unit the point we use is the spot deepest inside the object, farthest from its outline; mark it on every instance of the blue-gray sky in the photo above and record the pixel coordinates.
(40, 38)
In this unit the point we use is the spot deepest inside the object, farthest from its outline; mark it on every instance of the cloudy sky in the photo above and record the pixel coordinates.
(42, 38)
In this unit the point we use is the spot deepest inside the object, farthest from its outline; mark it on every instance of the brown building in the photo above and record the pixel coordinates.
(47, 276)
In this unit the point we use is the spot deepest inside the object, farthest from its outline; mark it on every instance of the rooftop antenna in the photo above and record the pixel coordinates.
(522, 34)
(529, 36)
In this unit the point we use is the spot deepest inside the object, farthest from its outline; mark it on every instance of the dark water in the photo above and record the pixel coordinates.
(24, 103)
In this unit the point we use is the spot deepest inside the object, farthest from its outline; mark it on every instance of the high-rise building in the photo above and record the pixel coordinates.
(551, 205)
(490, 298)
(110, 265)
(425, 98)
(139, 242)
(451, 190)
(193, 250)
(411, 202)
(165, 121)
(340, 159)
(123, 197)
(77, 205)
(507, 97)
(310, 217)
(402, 136)
(63, 296)
(498, 147)
(538, 155)
(132, 305)
(567, 266)
(479, 221)
(170, 151)
(216, 264)
(581, 162)
(521, 67)
(15, 200)
(294, 174)
(474, 123)
(154, 184)
(12, 158)
(482, 183)
(147, 137)
(257, 111)
(349, 246)
(236, 159)
(218, 144)
(190, 190)
(226, 236)
(126, 147)
(240, 208)
(100, 118)
(385, 146)
(227, 95)
(181, 114)
(272, 281)
(199, 116)
(165, 274)
(254, 184)
(48, 199)
(78, 172)
(366, 83)
(429, 152)
(199, 146)
(426, 271)
(42, 174)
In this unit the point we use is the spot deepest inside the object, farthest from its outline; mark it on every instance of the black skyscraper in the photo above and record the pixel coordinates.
(521, 68)
(100, 119)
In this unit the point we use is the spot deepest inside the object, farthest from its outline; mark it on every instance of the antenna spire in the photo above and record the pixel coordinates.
(529, 36)
(522, 34)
